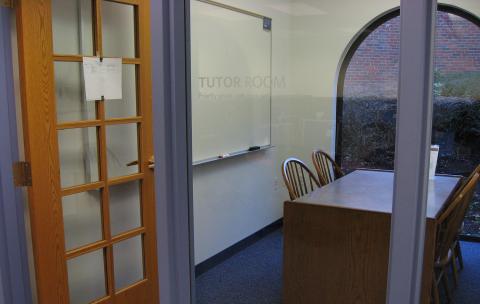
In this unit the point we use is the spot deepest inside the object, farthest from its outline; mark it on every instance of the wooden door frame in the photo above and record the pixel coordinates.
(14, 273)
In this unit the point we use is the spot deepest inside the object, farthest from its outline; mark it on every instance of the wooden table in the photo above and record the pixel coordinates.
(336, 239)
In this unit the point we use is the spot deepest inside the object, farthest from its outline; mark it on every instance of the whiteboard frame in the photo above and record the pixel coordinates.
(235, 9)
(269, 145)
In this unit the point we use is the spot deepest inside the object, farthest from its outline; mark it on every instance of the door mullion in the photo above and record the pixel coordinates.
(102, 137)
(97, 14)
(105, 197)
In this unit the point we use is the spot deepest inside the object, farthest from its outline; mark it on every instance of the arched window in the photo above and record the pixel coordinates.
(367, 96)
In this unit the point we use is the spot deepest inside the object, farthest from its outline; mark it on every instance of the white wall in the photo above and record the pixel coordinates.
(235, 198)
(473, 6)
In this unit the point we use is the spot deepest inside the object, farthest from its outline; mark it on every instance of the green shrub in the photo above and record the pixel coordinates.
(465, 84)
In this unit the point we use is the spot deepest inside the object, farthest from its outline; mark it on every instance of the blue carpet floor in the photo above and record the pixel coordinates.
(254, 276)
(468, 291)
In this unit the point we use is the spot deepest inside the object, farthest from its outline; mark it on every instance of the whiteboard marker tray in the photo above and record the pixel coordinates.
(230, 155)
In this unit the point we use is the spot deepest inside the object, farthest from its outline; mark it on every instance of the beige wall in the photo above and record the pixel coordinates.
(473, 6)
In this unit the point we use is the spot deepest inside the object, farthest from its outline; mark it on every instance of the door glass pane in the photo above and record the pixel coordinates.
(118, 26)
(86, 277)
(122, 149)
(125, 207)
(78, 156)
(127, 106)
(69, 93)
(72, 27)
(82, 218)
(128, 261)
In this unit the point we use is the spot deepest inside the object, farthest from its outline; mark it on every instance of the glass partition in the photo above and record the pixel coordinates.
(455, 144)
(277, 80)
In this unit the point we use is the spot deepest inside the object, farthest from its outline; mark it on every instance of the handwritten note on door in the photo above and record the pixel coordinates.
(103, 78)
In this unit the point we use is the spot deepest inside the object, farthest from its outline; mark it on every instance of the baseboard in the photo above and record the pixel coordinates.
(470, 238)
(235, 248)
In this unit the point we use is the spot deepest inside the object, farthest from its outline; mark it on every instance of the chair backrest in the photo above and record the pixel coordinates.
(466, 180)
(451, 219)
(298, 178)
(327, 169)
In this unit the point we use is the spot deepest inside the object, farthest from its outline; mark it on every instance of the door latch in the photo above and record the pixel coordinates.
(22, 174)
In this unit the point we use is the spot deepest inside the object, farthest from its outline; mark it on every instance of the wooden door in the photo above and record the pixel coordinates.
(92, 199)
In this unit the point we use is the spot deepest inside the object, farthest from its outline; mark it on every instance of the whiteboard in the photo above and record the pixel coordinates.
(231, 81)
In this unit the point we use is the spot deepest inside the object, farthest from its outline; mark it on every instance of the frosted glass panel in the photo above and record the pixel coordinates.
(86, 278)
(118, 26)
(128, 261)
(122, 149)
(126, 107)
(82, 218)
(78, 156)
(69, 93)
(125, 207)
(72, 27)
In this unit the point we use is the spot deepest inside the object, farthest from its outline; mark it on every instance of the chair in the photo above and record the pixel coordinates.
(327, 169)
(449, 223)
(458, 249)
(466, 180)
(298, 178)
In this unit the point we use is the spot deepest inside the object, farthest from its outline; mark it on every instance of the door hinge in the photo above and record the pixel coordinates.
(6, 3)
(22, 174)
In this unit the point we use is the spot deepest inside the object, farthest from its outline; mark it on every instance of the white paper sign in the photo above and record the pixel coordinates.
(92, 76)
(112, 73)
(102, 78)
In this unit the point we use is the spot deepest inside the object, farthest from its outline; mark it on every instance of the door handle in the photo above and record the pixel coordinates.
(150, 163)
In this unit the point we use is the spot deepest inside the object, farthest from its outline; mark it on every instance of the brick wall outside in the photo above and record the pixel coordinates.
(373, 70)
